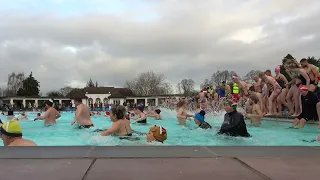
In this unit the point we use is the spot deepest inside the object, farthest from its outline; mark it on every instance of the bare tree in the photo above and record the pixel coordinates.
(3, 91)
(206, 83)
(248, 77)
(148, 84)
(220, 76)
(15, 82)
(179, 88)
(65, 90)
(187, 85)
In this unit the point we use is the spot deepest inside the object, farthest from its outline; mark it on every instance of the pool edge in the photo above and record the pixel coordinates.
(60, 152)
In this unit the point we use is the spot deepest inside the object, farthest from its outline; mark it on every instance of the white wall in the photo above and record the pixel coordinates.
(95, 96)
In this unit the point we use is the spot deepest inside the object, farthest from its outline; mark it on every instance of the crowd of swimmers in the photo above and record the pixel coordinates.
(270, 95)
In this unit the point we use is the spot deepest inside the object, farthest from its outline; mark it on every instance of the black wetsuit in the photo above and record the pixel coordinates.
(309, 107)
(234, 125)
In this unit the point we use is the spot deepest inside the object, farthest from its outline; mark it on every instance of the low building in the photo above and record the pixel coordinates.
(90, 96)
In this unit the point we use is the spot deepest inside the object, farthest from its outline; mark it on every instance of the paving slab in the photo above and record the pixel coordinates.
(43, 169)
(265, 151)
(177, 169)
(286, 168)
(155, 152)
(151, 151)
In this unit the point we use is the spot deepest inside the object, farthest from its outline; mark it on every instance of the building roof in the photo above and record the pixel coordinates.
(115, 92)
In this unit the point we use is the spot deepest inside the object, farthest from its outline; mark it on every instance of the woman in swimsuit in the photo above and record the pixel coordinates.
(272, 84)
(120, 126)
(142, 117)
(283, 82)
(300, 77)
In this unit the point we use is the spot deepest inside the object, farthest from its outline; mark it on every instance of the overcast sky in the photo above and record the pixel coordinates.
(65, 42)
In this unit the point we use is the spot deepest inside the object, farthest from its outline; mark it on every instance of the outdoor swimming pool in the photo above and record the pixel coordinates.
(270, 133)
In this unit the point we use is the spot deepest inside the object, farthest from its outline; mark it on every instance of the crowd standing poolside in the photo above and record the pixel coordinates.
(268, 96)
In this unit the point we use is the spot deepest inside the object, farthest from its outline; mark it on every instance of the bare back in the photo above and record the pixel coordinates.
(83, 115)
(22, 142)
(50, 116)
(124, 128)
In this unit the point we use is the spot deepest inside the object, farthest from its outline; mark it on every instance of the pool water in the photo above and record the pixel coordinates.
(270, 133)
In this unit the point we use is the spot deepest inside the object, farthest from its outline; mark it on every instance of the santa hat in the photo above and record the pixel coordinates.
(204, 90)
(235, 76)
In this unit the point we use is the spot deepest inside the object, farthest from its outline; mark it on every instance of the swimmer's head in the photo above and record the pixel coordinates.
(304, 62)
(117, 113)
(140, 108)
(38, 114)
(49, 103)
(202, 113)
(157, 133)
(277, 69)
(158, 111)
(182, 103)
(10, 131)
(251, 89)
(256, 78)
(235, 78)
(268, 72)
(304, 90)
(230, 106)
(77, 100)
(262, 75)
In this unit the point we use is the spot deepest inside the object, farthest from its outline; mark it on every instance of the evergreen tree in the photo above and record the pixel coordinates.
(30, 87)
(90, 83)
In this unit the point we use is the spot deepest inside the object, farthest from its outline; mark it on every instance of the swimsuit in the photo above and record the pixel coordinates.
(143, 121)
(280, 82)
(86, 126)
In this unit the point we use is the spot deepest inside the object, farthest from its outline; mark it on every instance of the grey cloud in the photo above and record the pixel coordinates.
(188, 40)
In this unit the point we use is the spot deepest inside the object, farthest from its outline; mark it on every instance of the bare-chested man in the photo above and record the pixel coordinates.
(257, 85)
(242, 85)
(313, 73)
(256, 114)
(51, 114)
(182, 114)
(82, 115)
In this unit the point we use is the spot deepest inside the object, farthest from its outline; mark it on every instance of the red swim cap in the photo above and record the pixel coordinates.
(108, 113)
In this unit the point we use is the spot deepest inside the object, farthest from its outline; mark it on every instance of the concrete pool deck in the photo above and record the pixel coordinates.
(160, 162)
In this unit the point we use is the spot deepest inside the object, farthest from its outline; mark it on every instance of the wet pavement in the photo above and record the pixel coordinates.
(158, 163)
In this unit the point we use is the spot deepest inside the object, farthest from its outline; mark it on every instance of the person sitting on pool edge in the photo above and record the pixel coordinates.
(310, 106)
(121, 126)
(11, 135)
(157, 133)
(233, 124)
(142, 117)
(199, 120)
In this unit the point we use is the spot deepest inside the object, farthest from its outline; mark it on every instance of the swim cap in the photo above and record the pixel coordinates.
(232, 104)
(11, 129)
(278, 68)
(304, 88)
(159, 133)
(158, 111)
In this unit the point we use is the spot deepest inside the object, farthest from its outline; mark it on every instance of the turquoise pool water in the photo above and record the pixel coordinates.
(270, 133)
